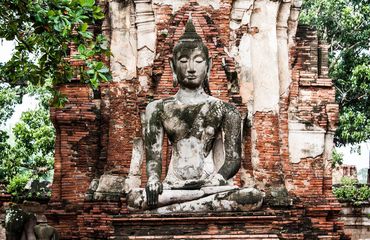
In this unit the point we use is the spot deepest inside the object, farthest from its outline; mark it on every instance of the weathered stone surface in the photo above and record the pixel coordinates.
(110, 183)
(246, 199)
(43, 231)
(356, 220)
(109, 187)
(207, 199)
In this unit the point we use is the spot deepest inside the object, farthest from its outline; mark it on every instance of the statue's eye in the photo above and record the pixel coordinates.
(183, 60)
(199, 59)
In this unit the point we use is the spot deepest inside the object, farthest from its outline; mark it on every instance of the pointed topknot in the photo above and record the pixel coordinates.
(190, 34)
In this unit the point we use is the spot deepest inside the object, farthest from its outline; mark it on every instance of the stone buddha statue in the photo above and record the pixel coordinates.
(43, 231)
(205, 136)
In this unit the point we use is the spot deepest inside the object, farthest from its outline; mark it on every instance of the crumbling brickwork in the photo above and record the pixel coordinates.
(96, 132)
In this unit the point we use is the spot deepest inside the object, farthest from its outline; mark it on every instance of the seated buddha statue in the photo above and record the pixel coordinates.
(205, 137)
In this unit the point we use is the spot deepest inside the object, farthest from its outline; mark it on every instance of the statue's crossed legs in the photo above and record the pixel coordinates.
(206, 199)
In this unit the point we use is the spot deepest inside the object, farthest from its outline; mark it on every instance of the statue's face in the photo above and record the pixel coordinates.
(190, 67)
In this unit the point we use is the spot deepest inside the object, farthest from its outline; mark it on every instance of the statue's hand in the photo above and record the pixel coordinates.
(153, 188)
(215, 180)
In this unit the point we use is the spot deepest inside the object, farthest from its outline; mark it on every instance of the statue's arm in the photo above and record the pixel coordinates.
(231, 126)
(153, 148)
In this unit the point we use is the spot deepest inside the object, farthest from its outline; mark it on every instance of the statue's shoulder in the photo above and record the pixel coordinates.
(154, 103)
(169, 100)
(225, 106)
(154, 106)
(158, 105)
(229, 109)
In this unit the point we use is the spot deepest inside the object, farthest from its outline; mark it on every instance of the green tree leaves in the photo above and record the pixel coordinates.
(43, 31)
(345, 25)
(8, 98)
(87, 3)
(351, 191)
(337, 159)
(32, 154)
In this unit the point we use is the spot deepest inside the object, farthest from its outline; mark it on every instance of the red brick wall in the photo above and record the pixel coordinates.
(77, 143)
(309, 78)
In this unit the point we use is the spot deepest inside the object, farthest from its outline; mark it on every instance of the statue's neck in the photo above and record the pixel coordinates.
(191, 96)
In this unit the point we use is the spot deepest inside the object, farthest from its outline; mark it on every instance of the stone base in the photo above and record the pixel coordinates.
(270, 224)
(110, 220)
(213, 226)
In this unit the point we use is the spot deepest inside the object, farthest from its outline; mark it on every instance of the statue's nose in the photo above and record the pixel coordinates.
(191, 68)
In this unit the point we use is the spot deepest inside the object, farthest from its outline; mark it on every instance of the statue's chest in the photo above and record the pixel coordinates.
(182, 121)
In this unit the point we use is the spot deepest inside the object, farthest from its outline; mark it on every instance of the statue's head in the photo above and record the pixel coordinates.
(191, 63)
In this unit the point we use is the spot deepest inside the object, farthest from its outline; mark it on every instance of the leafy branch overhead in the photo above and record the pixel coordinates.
(43, 31)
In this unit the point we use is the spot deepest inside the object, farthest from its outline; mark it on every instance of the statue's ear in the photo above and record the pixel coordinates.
(206, 80)
(172, 65)
(209, 67)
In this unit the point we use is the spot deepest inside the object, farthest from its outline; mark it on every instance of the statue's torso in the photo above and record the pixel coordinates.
(192, 130)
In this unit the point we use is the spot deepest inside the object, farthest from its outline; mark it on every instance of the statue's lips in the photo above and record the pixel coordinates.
(191, 78)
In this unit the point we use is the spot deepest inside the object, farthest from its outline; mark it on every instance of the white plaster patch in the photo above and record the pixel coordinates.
(305, 141)
(123, 42)
(265, 72)
(283, 50)
(241, 13)
(144, 81)
(146, 33)
(145, 57)
(293, 20)
(245, 69)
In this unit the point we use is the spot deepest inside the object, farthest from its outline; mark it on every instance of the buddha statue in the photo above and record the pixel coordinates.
(205, 136)
(43, 231)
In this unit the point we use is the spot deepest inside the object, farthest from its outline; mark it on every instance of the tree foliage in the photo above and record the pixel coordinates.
(337, 158)
(31, 156)
(345, 25)
(9, 96)
(43, 31)
(352, 192)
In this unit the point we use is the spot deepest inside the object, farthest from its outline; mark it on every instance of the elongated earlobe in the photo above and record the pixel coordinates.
(174, 75)
(175, 82)
(206, 80)
(209, 67)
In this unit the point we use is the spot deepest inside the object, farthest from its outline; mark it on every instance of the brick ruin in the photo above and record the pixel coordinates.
(344, 170)
(275, 73)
